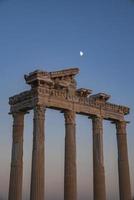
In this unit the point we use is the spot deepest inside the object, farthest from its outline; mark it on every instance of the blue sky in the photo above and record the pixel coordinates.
(49, 35)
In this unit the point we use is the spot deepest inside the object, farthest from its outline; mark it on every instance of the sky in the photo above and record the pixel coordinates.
(49, 35)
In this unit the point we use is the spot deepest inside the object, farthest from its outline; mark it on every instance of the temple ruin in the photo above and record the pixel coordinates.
(58, 90)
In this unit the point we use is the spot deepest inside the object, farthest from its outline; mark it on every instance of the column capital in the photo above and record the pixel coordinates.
(96, 117)
(120, 121)
(21, 112)
(39, 111)
(97, 125)
(69, 116)
(120, 126)
(18, 124)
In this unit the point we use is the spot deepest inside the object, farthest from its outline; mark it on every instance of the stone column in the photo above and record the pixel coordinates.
(123, 165)
(16, 173)
(70, 180)
(37, 172)
(99, 189)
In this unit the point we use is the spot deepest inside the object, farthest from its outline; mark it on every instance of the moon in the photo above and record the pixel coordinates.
(81, 53)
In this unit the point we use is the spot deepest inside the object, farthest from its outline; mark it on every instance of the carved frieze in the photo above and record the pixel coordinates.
(60, 89)
(64, 72)
(65, 96)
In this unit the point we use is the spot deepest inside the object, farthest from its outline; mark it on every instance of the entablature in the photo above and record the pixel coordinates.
(60, 100)
(59, 90)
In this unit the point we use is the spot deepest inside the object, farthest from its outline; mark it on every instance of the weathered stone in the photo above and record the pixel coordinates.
(123, 165)
(16, 173)
(58, 90)
(37, 172)
(70, 180)
(98, 161)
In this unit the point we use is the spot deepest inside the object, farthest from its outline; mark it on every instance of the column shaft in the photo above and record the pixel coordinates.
(16, 173)
(123, 165)
(37, 172)
(70, 180)
(98, 161)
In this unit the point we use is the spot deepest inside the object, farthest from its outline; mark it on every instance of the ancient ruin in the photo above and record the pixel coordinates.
(58, 90)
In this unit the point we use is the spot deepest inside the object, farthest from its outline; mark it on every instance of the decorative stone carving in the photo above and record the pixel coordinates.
(69, 117)
(64, 72)
(58, 90)
(39, 112)
(100, 97)
(82, 92)
(38, 78)
(77, 97)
